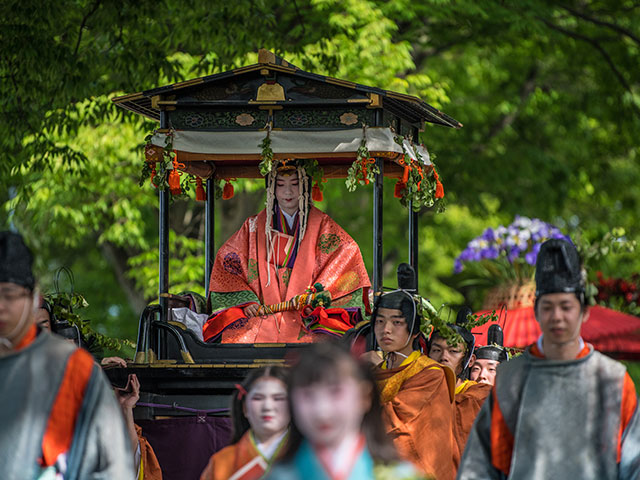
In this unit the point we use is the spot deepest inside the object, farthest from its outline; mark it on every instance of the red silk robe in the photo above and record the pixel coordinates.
(241, 275)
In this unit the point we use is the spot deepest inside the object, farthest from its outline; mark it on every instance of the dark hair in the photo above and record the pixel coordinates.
(468, 340)
(16, 261)
(321, 362)
(399, 300)
(239, 423)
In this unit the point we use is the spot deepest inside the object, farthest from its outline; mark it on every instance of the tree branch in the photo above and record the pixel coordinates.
(83, 24)
(600, 49)
(300, 19)
(612, 26)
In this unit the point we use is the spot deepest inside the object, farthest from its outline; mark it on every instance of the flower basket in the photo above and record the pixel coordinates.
(511, 295)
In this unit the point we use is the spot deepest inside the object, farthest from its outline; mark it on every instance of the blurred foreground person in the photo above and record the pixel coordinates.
(489, 357)
(560, 410)
(336, 432)
(59, 417)
(416, 392)
(260, 418)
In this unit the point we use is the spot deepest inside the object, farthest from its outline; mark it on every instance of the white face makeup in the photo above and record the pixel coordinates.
(328, 411)
(266, 408)
(288, 193)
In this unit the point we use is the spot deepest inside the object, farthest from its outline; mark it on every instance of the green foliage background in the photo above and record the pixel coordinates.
(548, 93)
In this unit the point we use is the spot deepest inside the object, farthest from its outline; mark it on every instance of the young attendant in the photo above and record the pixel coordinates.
(416, 392)
(277, 255)
(489, 357)
(336, 433)
(469, 395)
(561, 409)
(260, 416)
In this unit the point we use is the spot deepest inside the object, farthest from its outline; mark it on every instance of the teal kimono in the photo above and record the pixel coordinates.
(306, 466)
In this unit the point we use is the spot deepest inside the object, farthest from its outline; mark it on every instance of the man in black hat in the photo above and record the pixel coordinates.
(59, 417)
(561, 409)
(469, 395)
(416, 392)
(488, 357)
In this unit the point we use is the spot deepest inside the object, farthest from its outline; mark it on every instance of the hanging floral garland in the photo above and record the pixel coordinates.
(420, 184)
(431, 319)
(364, 169)
(266, 154)
(162, 168)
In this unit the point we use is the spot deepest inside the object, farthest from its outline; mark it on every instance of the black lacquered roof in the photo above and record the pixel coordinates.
(239, 87)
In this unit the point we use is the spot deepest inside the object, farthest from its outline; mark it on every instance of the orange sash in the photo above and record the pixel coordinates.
(66, 407)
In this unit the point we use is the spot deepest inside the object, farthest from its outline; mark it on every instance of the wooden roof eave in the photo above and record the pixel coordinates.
(418, 110)
(221, 169)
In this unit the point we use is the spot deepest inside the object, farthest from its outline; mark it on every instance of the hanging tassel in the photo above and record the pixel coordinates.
(399, 188)
(174, 179)
(174, 182)
(405, 175)
(152, 166)
(316, 193)
(439, 187)
(201, 196)
(419, 185)
(227, 191)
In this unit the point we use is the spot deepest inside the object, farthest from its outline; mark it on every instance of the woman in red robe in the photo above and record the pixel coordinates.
(277, 255)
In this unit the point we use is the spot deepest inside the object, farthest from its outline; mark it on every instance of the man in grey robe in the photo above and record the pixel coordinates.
(560, 410)
(59, 417)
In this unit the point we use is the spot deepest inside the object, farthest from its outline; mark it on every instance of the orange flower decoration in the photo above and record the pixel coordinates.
(439, 187)
(227, 191)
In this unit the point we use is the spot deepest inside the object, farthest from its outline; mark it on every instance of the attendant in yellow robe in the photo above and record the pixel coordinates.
(469, 395)
(260, 415)
(416, 392)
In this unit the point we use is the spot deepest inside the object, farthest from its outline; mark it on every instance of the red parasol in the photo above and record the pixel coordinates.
(609, 331)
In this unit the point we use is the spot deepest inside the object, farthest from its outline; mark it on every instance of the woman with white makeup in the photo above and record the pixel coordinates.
(277, 255)
(260, 418)
(336, 432)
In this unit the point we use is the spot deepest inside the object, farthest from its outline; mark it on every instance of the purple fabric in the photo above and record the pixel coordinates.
(175, 406)
(183, 445)
(277, 225)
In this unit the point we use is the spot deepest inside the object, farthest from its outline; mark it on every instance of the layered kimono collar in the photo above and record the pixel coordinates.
(281, 224)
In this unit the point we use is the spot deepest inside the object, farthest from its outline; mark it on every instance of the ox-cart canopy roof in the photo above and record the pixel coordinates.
(222, 119)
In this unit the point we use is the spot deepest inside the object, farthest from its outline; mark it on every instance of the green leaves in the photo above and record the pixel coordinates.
(266, 156)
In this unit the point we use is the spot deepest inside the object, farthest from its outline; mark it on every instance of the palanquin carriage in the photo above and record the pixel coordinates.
(225, 126)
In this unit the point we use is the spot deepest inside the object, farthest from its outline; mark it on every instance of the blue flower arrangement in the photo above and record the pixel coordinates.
(508, 253)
